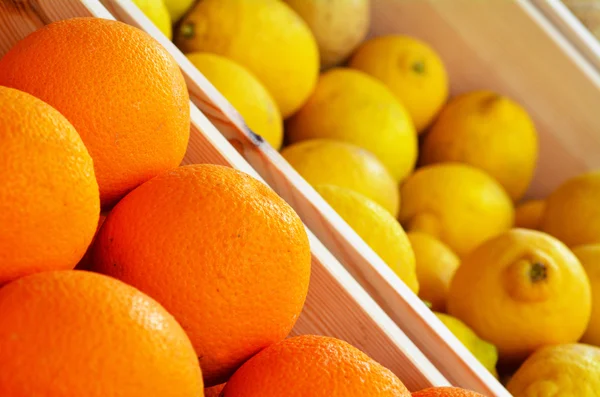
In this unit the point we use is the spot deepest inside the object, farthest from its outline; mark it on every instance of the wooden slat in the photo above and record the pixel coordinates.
(336, 305)
(509, 46)
(413, 317)
(571, 29)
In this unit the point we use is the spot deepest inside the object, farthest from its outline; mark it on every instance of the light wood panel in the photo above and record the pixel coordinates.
(511, 47)
(571, 29)
(337, 305)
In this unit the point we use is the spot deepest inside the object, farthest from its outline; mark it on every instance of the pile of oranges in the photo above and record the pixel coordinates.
(123, 274)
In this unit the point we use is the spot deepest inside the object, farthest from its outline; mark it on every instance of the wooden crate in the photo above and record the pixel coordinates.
(511, 46)
(571, 29)
(438, 344)
(521, 58)
(336, 305)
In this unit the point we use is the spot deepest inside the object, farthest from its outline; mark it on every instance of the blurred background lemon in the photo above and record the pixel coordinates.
(265, 36)
(245, 92)
(352, 106)
(380, 230)
(436, 264)
(460, 205)
(324, 161)
(488, 131)
(411, 69)
(338, 25)
(485, 352)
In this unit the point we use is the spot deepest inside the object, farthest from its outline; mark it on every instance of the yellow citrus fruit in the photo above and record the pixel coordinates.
(572, 212)
(352, 106)
(380, 230)
(522, 290)
(323, 161)
(460, 205)
(485, 352)
(245, 92)
(157, 12)
(563, 370)
(529, 214)
(338, 25)
(265, 36)
(411, 69)
(436, 264)
(177, 8)
(589, 255)
(488, 131)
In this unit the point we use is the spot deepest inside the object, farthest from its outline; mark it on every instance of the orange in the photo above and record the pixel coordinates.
(119, 88)
(221, 251)
(214, 391)
(446, 392)
(80, 334)
(313, 366)
(49, 201)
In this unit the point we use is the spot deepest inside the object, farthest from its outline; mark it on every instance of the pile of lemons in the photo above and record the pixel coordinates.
(384, 143)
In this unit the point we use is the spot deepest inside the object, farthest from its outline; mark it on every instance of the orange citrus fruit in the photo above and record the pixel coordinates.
(49, 201)
(80, 334)
(121, 90)
(313, 366)
(214, 391)
(221, 251)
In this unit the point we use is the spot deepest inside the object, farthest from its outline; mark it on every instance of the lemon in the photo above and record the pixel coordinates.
(245, 92)
(380, 230)
(460, 205)
(265, 36)
(572, 211)
(322, 161)
(338, 25)
(529, 214)
(589, 255)
(436, 264)
(485, 352)
(354, 107)
(411, 69)
(488, 131)
(157, 12)
(177, 8)
(569, 370)
(522, 290)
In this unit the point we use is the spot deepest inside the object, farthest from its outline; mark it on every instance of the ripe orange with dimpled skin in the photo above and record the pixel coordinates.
(80, 334)
(221, 251)
(121, 90)
(49, 200)
(313, 366)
